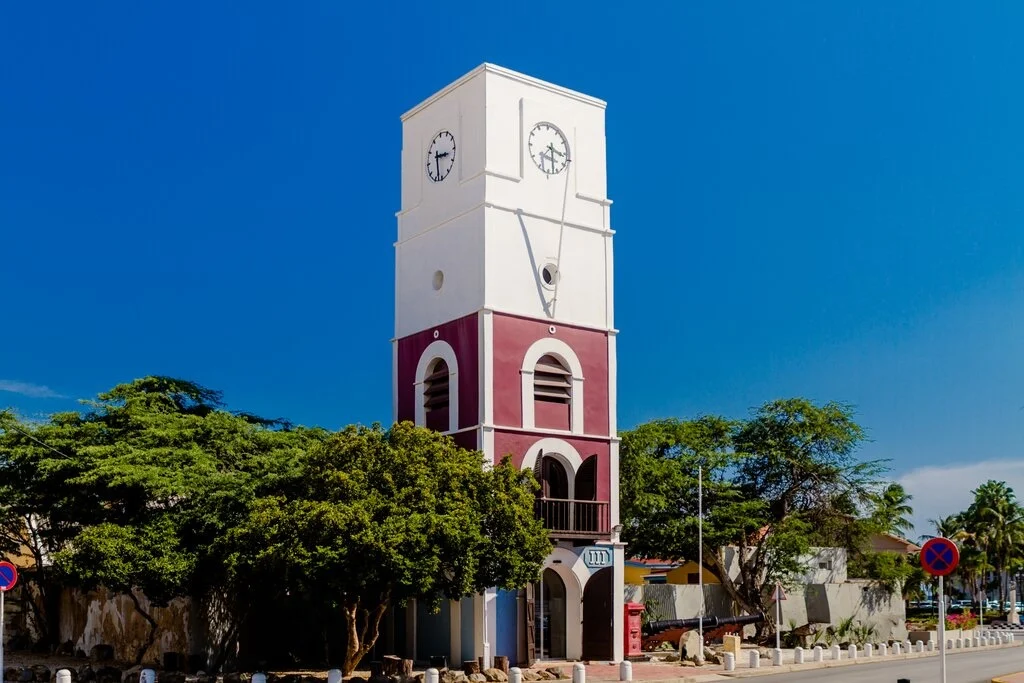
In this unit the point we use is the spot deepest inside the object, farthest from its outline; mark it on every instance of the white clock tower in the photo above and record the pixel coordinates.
(504, 338)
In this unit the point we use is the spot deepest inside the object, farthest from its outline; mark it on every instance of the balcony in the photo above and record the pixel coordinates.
(574, 518)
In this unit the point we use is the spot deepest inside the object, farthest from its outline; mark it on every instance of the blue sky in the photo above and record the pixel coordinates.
(817, 199)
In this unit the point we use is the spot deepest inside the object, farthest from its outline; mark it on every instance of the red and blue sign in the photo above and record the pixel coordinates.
(8, 576)
(940, 556)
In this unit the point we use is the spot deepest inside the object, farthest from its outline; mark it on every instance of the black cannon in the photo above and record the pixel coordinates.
(654, 633)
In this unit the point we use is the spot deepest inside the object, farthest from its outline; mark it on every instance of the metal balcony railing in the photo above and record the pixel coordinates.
(574, 518)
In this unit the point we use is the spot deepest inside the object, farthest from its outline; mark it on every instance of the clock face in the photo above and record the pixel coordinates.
(441, 156)
(548, 148)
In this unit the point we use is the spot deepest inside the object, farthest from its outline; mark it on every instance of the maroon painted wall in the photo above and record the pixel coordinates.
(463, 336)
(513, 336)
(516, 444)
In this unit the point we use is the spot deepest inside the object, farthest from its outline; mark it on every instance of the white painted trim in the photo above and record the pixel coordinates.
(613, 484)
(500, 207)
(487, 366)
(486, 441)
(609, 283)
(443, 350)
(558, 348)
(613, 385)
(574, 575)
(487, 67)
(618, 600)
(394, 380)
(540, 431)
(563, 450)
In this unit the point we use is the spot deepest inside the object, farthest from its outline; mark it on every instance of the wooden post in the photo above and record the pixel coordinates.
(471, 666)
(501, 663)
(406, 668)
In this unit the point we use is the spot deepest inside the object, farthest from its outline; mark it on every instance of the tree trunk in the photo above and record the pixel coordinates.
(361, 636)
(141, 653)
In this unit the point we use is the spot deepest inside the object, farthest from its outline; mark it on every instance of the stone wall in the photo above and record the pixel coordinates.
(97, 618)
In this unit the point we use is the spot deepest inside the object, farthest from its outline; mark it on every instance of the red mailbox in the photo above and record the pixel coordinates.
(632, 633)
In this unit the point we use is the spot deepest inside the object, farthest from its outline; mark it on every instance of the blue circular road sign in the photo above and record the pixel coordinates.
(940, 556)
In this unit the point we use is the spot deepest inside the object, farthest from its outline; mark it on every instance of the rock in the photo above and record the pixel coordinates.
(691, 648)
(110, 674)
(26, 675)
(86, 674)
(101, 653)
(170, 677)
(530, 675)
(233, 677)
(131, 675)
(687, 662)
(496, 675)
(557, 671)
(11, 674)
(671, 657)
(477, 678)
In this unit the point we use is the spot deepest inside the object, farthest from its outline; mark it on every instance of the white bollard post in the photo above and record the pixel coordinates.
(817, 654)
(63, 676)
(432, 676)
(931, 645)
(625, 672)
(579, 673)
(515, 674)
(798, 655)
(835, 653)
(755, 659)
(869, 650)
(776, 657)
(958, 644)
(730, 661)
(949, 644)
(920, 646)
(883, 649)
(333, 676)
(149, 676)
(852, 650)
(897, 648)
(977, 642)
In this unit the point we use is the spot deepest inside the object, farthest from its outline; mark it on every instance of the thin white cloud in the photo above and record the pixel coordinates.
(944, 490)
(28, 389)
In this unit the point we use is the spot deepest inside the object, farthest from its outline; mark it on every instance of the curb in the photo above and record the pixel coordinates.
(828, 664)
(810, 666)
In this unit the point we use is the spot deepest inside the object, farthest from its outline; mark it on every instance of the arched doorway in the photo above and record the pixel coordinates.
(597, 616)
(549, 619)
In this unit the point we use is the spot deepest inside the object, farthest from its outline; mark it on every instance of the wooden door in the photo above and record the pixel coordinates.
(597, 617)
(530, 626)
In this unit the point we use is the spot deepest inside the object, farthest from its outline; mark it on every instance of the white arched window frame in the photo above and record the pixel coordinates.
(562, 351)
(444, 351)
(560, 450)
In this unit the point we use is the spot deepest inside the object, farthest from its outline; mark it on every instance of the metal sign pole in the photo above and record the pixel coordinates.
(2, 592)
(700, 554)
(942, 632)
(778, 616)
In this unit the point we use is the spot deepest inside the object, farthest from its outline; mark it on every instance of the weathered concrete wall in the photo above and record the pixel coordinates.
(97, 618)
(827, 604)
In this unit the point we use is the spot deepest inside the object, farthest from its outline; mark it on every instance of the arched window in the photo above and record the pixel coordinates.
(437, 388)
(435, 395)
(552, 387)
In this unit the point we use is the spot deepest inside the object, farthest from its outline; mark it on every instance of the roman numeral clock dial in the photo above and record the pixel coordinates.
(441, 156)
(548, 148)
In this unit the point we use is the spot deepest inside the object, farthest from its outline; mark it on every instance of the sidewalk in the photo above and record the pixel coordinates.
(1010, 678)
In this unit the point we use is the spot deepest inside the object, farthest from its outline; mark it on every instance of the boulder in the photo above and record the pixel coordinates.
(26, 675)
(169, 677)
(86, 674)
(496, 675)
(558, 672)
(530, 675)
(11, 673)
(691, 648)
(477, 678)
(101, 653)
(233, 677)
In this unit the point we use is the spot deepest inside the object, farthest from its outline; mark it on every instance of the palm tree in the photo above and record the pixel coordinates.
(892, 510)
(996, 520)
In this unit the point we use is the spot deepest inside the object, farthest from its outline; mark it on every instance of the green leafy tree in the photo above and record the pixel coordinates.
(375, 517)
(775, 485)
(134, 493)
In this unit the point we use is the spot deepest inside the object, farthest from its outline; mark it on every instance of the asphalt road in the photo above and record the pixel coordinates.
(966, 667)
